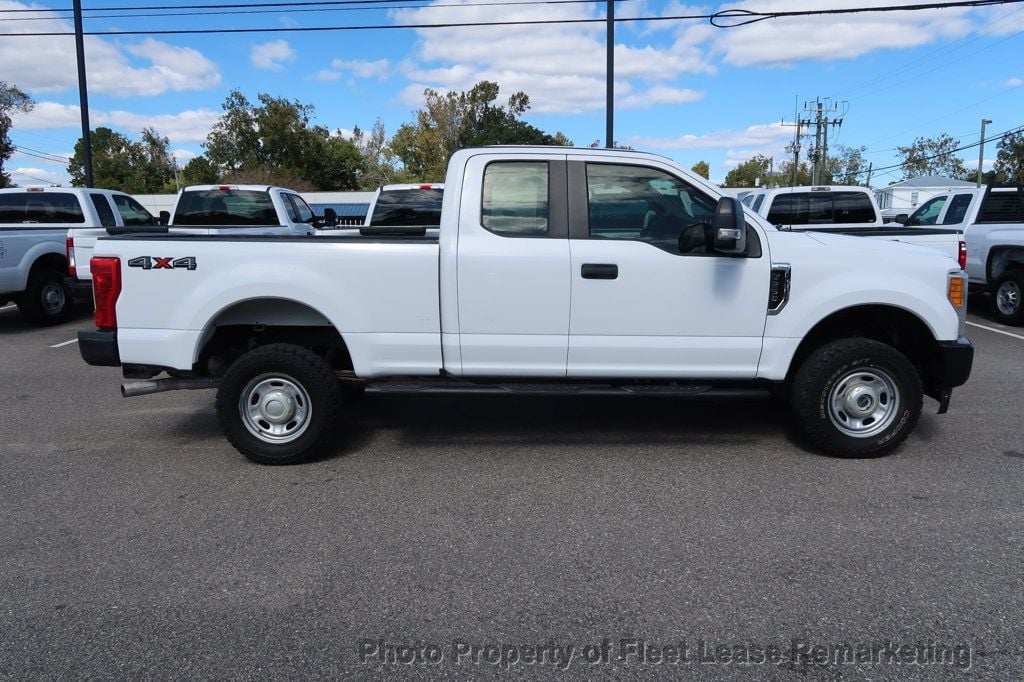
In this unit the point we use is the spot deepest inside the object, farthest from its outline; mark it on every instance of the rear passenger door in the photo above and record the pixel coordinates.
(513, 266)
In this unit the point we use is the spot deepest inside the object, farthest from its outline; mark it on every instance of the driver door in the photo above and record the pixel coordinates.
(640, 306)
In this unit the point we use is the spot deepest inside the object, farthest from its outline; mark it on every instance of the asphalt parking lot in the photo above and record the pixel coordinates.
(135, 542)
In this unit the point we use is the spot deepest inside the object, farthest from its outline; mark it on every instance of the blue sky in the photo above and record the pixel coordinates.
(684, 89)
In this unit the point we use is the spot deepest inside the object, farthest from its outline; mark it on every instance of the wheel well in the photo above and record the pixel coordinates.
(893, 326)
(1003, 258)
(250, 324)
(49, 261)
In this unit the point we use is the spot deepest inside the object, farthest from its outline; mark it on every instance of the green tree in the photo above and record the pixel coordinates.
(786, 177)
(846, 166)
(277, 139)
(749, 173)
(1009, 165)
(199, 171)
(454, 120)
(932, 156)
(702, 169)
(138, 167)
(377, 161)
(12, 100)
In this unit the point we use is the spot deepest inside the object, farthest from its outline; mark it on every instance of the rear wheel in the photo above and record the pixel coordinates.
(46, 301)
(1006, 297)
(857, 398)
(278, 404)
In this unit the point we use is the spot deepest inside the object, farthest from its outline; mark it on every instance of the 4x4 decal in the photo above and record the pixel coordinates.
(157, 263)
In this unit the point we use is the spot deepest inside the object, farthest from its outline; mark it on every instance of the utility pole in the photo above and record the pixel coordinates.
(871, 167)
(817, 146)
(981, 148)
(821, 110)
(609, 133)
(83, 93)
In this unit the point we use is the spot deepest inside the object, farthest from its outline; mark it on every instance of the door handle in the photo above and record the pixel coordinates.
(599, 271)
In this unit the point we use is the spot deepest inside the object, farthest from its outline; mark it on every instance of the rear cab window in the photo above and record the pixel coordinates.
(1003, 206)
(408, 207)
(822, 208)
(40, 208)
(225, 207)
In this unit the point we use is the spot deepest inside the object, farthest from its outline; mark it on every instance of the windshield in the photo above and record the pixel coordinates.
(408, 207)
(225, 207)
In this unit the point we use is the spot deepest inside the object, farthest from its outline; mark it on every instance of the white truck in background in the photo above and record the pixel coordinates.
(992, 220)
(37, 264)
(581, 271)
(850, 210)
(201, 210)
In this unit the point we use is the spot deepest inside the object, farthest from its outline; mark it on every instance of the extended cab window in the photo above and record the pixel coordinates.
(408, 207)
(515, 198)
(225, 207)
(40, 207)
(646, 204)
(928, 214)
(102, 206)
(132, 212)
(957, 209)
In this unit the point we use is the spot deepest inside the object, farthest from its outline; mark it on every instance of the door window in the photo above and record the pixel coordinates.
(515, 198)
(646, 204)
(928, 213)
(302, 213)
(132, 212)
(957, 209)
(103, 210)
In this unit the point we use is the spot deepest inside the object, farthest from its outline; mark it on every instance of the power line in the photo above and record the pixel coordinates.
(40, 155)
(961, 148)
(732, 18)
(309, 10)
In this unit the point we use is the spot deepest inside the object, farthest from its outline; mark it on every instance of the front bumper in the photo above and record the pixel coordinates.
(952, 368)
(81, 290)
(99, 347)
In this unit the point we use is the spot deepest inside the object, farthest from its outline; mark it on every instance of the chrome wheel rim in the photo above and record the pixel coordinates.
(53, 298)
(275, 408)
(864, 402)
(1008, 298)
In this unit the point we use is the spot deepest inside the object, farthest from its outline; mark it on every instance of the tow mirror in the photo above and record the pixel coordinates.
(330, 217)
(165, 218)
(730, 227)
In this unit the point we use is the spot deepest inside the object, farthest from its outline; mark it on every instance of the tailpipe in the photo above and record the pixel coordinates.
(130, 389)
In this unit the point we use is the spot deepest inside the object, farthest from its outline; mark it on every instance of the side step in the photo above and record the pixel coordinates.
(469, 388)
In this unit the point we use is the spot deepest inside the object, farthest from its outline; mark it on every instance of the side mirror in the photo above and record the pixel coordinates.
(729, 227)
(902, 219)
(330, 217)
(165, 218)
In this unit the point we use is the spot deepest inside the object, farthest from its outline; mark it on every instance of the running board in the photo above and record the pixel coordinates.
(467, 388)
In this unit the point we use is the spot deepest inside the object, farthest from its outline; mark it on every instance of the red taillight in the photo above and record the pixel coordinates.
(962, 255)
(69, 244)
(426, 187)
(106, 287)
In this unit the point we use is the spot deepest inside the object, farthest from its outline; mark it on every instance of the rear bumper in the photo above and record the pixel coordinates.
(952, 368)
(81, 289)
(99, 347)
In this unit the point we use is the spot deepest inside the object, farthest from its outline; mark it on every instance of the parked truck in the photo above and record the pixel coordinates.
(992, 220)
(849, 210)
(573, 270)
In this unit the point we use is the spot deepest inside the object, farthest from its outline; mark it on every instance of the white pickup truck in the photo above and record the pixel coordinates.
(847, 210)
(992, 220)
(555, 269)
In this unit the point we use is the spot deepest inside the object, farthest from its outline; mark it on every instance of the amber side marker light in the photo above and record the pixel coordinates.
(957, 291)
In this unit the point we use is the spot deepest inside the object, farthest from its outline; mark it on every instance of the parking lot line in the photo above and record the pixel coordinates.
(67, 343)
(997, 331)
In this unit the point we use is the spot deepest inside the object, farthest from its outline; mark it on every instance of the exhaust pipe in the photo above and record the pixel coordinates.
(130, 389)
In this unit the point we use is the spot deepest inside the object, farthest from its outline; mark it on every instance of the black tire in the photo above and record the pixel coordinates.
(878, 379)
(278, 377)
(46, 300)
(1007, 299)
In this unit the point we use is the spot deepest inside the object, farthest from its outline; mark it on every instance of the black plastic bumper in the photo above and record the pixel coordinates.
(81, 290)
(952, 368)
(99, 347)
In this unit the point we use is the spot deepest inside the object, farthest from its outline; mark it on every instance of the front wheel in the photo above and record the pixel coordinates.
(279, 404)
(1006, 297)
(857, 398)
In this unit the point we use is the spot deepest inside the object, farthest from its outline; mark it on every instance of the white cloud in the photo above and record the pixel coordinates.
(37, 176)
(183, 156)
(659, 94)
(186, 126)
(359, 68)
(762, 135)
(561, 67)
(272, 56)
(1012, 83)
(47, 63)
